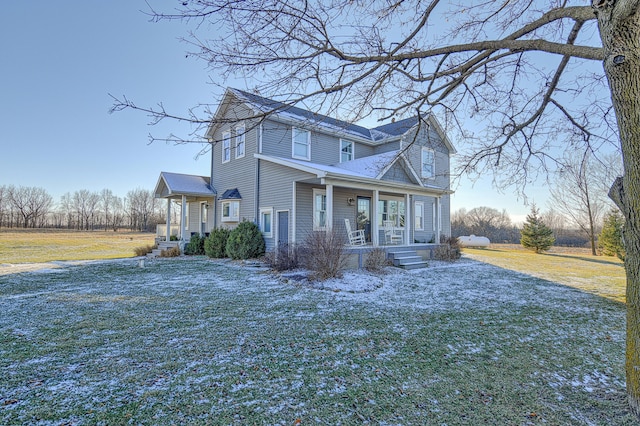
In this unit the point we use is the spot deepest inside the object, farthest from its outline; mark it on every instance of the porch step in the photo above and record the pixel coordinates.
(163, 245)
(406, 259)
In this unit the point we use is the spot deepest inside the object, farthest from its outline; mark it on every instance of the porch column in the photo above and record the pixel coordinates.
(437, 219)
(293, 214)
(183, 218)
(407, 219)
(374, 219)
(329, 194)
(168, 235)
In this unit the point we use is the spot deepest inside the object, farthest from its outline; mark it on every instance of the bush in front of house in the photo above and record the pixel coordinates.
(376, 260)
(449, 249)
(216, 243)
(245, 241)
(143, 250)
(283, 258)
(195, 246)
(323, 254)
(172, 252)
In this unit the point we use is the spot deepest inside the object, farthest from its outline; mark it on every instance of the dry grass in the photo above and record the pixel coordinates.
(574, 267)
(37, 246)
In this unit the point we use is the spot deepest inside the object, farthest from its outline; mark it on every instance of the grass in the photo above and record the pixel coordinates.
(194, 341)
(600, 275)
(37, 246)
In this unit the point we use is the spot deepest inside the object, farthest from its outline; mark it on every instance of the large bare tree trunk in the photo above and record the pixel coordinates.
(619, 24)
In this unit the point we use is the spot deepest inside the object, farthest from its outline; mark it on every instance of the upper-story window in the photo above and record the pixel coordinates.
(226, 147)
(428, 163)
(240, 132)
(301, 144)
(346, 150)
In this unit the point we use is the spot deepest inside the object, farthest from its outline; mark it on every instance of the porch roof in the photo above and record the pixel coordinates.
(172, 184)
(366, 171)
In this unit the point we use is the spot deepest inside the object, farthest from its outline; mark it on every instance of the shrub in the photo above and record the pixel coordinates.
(172, 252)
(195, 246)
(448, 250)
(215, 244)
(610, 239)
(283, 258)
(323, 254)
(173, 238)
(245, 241)
(376, 260)
(143, 250)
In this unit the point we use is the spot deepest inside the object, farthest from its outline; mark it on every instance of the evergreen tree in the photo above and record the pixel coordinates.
(610, 239)
(535, 235)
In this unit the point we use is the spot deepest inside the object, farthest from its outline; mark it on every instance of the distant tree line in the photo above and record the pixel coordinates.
(33, 207)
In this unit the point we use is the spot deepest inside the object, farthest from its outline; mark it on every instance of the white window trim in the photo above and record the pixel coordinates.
(240, 141)
(353, 149)
(293, 144)
(230, 218)
(268, 210)
(226, 143)
(382, 212)
(419, 224)
(433, 163)
(317, 227)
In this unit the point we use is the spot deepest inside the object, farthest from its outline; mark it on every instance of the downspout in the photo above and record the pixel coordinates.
(215, 198)
(257, 179)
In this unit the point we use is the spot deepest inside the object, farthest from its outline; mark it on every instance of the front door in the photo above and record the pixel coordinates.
(283, 227)
(363, 219)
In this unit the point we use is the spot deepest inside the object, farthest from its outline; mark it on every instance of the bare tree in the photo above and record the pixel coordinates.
(141, 205)
(529, 71)
(578, 195)
(32, 203)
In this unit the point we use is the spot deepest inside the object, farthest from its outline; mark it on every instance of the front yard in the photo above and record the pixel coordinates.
(194, 341)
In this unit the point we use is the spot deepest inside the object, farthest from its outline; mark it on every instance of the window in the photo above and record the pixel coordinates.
(231, 211)
(319, 210)
(266, 221)
(226, 147)
(428, 168)
(346, 150)
(392, 210)
(419, 216)
(240, 141)
(301, 144)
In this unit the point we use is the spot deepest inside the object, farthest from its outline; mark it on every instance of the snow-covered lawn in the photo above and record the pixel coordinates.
(195, 341)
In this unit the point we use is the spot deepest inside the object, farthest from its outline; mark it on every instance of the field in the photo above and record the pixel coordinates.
(575, 267)
(37, 246)
(195, 341)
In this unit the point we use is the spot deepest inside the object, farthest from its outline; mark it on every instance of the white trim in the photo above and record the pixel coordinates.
(314, 209)
(231, 217)
(240, 140)
(268, 210)
(419, 224)
(293, 213)
(353, 149)
(226, 145)
(293, 143)
(204, 206)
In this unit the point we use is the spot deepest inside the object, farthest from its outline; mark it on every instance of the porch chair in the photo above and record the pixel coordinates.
(356, 238)
(392, 235)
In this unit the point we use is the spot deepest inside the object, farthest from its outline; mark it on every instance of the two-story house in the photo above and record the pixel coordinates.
(293, 171)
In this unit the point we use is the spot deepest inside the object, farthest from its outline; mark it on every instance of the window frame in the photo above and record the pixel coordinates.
(263, 212)
(234, 207)
(418, 219)
(318, 212)
(226, 147)
(432, 153)
(394, 209)
(240, 141)
(349, 143)
(295, 131)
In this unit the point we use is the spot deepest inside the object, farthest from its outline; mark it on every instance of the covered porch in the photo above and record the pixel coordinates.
(196, 200)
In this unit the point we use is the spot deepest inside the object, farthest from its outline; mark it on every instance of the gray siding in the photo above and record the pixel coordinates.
(397, 173)
(429, 138)
(389, 146)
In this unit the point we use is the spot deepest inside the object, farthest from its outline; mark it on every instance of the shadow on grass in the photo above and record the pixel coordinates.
(587, 259)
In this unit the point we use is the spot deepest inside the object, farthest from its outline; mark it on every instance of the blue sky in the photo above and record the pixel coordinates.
(61, 60)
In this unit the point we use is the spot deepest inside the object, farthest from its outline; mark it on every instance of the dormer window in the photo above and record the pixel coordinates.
(428, 163)
(301, 144)
(346, 150)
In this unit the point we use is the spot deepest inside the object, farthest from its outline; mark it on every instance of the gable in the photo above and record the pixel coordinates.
(397, 172)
